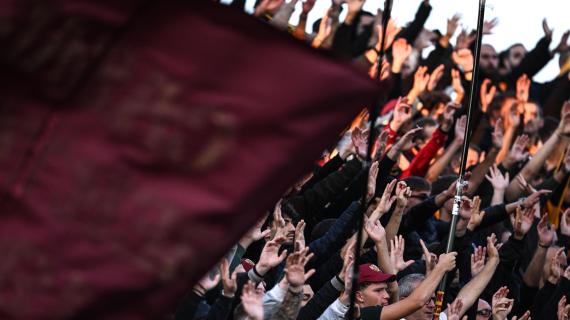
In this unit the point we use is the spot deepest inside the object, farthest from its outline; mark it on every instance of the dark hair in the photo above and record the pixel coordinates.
(321, 228)
(418, 183)
(550, 125)
(475, 147)
(431, 99)
(442, 183)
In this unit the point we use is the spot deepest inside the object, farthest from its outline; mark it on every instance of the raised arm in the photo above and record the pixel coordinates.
(422, 293)
(442, 162)
(473, 289)
(481, 170)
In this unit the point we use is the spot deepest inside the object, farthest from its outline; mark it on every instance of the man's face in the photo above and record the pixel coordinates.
(374, 295)
(530, 112)
(425, 312)
(307, 295)
(489, 61)
(290, 227)
(516, 54)
(472, 157)
(484, 310)
(416, 198)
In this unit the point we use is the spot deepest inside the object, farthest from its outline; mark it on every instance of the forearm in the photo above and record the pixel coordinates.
(473, 289)
(533, 272)
(386, 266)
(299, 32)
(440, 164)
(481, 170)
(394, 223)
(289, 308)
(498, 197)
(539, 159)
(505, 148)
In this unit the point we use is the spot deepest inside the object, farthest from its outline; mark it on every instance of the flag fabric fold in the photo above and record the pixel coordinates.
(140, 139)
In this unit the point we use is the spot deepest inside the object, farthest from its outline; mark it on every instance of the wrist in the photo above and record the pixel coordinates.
(199, 291)
(295, 289)
(260, 270)
(228, 294)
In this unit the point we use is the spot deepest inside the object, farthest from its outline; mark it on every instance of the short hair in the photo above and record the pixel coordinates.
(409, 283)
(475, 147)
(442, 183)
(418, 183)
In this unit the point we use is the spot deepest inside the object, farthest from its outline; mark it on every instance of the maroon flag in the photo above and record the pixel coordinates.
(140, 139)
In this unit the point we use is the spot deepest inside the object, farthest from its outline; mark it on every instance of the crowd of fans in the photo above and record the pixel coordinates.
(509, 258)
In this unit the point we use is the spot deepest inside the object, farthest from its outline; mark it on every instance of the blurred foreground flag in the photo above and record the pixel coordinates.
(140, 139)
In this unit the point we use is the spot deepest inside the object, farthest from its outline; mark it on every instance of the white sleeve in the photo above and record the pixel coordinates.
(272, 300)
(336, 311)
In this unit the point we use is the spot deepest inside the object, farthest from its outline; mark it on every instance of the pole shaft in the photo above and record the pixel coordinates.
(473, 96)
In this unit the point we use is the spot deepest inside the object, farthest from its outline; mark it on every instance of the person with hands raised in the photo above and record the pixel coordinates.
(471, 291)
(486, 94)
(499, 182)
(563, 310)
(421, 81)
(269, 258)
(251, 301)
(401, 50)
(397, 246)
(403, 193)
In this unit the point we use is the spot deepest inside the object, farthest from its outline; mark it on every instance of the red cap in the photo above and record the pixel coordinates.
(247, 264)
(371, 273)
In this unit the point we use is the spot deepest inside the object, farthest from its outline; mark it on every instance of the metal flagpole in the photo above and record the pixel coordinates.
(375, 110)
(473, 96)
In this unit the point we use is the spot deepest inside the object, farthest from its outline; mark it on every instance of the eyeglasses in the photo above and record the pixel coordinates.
(484, 312)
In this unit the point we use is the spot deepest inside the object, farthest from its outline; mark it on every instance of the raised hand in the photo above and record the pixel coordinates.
(523, 222)
(354, 5)
(489, 25)
(457, 86)
(402, 113)
(397, 246)
(300, 236)
(498, 134)
(386, 201)
(446, 261)
(375, 230)
(228, 280)
(546, 29)
(486, 94)
(407, 141)
(268, 6)
(371, 186)
(421, 80)
(476, 215)
(497, 179)
(278, 226)
(295, 268)
(501, 305)
(545, 232)
(347, 261)
(477, 261)
(518, 150)
(454, 310)
(206, 284)
(255, 233)
(452, 25)
(360, 142)
(403, 193)
(563, 310)
(563, 44)
(523, 88)
(460, 126)
(307, 7)
(525, 316)
(565, 223)
(435, 77)
(270, 256)
(401, 50)
(391, 33)
(564, 125)
(465, 39)
(252, 301)
(463, 58)
(430, 258)
(492, 251)
(534, 197)
(555, 266)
